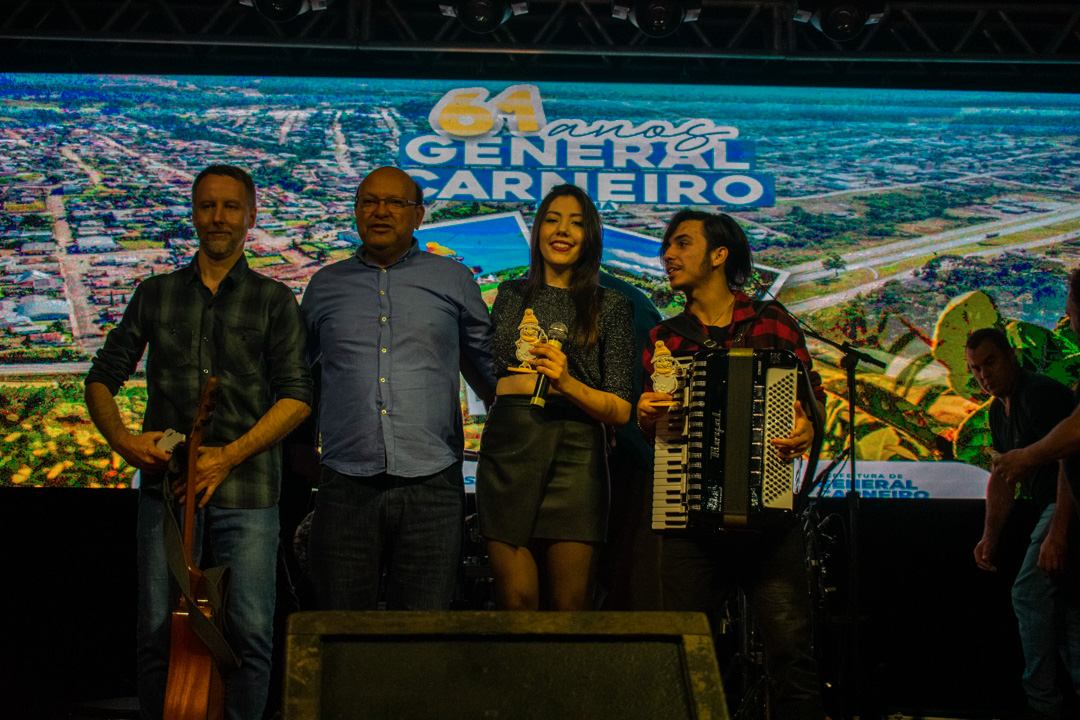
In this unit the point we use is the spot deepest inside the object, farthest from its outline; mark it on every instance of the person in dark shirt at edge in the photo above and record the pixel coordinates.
(213, 318)
(1061, 443)
(707, 257)
(1046, 592)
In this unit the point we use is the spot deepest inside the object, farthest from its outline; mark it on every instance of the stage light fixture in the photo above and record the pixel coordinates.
(656, 18)
(840, 20)
(483, 16)
(284, 10)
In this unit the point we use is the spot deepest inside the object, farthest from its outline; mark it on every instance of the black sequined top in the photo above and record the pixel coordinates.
(608, 365)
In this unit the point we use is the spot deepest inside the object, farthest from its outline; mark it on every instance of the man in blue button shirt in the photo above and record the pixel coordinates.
(392, 325)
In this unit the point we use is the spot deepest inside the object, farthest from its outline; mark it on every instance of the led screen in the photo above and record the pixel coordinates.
(895, 220)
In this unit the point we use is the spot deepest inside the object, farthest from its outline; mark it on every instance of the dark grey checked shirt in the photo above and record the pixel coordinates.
(250, 335)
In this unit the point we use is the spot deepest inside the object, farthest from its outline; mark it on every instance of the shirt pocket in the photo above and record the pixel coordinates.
(171, 346)
(243, 350)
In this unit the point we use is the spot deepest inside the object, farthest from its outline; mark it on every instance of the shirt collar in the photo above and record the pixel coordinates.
(235, 276)
(413, 249)
(743, 308)
(1023, 376)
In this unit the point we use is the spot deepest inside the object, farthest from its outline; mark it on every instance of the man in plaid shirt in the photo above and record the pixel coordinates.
(214, 317)
(707, 257)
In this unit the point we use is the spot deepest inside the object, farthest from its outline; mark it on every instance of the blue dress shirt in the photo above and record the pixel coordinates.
(390, 340)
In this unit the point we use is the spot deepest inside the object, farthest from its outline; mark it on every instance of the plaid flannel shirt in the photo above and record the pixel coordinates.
(774, 329)
(250, 335)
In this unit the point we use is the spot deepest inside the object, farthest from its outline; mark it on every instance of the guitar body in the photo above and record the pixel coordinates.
(195, 690)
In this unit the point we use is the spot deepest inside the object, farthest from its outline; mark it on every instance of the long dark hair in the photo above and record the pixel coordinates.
(585, 275)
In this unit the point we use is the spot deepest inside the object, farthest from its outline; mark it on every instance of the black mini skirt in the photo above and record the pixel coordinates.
(542, 473)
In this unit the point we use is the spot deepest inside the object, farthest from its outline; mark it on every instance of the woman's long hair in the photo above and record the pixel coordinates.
(585, 275)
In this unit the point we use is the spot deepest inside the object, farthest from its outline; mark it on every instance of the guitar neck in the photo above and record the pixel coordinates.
(191, 480)
(192, 476)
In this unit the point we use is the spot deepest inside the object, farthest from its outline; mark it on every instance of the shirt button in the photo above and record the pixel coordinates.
(384, 350)
(384, 270)
(205, 372)
(383, 412)
(382, 292)
(382, 379)
(383, 318)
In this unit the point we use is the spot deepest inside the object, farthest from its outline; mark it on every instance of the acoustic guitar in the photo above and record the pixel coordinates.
(195, 689)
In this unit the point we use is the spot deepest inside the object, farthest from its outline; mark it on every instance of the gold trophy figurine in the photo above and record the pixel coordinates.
(529, 333)
(666, 373)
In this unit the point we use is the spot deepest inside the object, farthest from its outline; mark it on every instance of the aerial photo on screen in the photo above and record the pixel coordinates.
(897, 221)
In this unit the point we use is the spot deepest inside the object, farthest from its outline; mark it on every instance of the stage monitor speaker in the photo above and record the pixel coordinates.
(513, 665)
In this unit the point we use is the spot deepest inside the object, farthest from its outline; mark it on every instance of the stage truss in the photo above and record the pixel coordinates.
(1017, 45)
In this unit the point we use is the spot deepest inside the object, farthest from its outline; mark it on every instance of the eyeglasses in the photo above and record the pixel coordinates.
(393, 204)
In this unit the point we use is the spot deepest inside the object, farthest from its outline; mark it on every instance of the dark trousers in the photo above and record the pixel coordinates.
(409, 527)
(770, 567)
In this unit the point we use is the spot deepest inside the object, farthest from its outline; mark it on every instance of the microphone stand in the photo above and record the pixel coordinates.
(850, 358)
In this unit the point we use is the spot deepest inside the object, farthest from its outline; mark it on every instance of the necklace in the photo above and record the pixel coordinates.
(726, 311)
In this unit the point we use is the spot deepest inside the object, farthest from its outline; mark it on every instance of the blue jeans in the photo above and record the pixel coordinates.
(1048, 612)
(244, 540)
(409, 527)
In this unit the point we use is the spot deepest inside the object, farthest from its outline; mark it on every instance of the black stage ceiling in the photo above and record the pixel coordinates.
(961, 44)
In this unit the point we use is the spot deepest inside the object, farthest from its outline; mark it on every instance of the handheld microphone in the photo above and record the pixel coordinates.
(556, 337)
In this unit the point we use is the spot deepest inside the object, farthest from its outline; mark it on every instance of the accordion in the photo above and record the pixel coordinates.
(714, 466)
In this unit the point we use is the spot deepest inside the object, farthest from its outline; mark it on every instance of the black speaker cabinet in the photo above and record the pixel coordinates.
(513, 665)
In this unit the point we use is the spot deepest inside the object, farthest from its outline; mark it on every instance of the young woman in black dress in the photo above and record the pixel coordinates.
(542, 484)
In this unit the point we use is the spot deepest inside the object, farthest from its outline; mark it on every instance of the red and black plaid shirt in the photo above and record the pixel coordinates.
(773, 329)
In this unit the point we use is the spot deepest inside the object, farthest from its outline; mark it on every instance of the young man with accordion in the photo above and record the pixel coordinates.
(709, 547)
